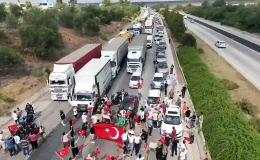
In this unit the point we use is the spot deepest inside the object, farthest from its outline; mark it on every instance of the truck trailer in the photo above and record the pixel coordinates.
(137, 54)
(92, 82)
(115, 50)
(61, 80)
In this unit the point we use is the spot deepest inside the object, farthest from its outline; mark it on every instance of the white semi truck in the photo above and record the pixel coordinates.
(137, 53)
(61, 80)
(115, 50)
(92, 82)
(148, 28)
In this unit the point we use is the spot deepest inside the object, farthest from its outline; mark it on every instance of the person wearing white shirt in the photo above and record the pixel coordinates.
(131, 139)
(75, 112)
(137, 143)
(183, 154)
(17, 141)
(90, 108)
(84, 117)
(131, 131)
(201, 120)
(94, 119)
(15, 117)
(124, 136)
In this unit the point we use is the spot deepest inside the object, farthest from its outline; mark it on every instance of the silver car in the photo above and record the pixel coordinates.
(162, 67)
(160, 57)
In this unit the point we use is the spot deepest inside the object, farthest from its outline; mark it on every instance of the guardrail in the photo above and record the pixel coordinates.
(240, 40)
(199, 135)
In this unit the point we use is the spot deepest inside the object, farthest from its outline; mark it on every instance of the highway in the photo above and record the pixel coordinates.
(243, 59)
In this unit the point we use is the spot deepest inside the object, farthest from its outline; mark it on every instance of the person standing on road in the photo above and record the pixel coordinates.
(144, 136)
(193, 120)
(183, 90)
(178, 101)
(187, 115)
(62, 117)
(33, 140)
(184, 108)
(65, 139)
(165, 88)
(132, 122)
(131, 139)
(17, 141)
(2, 142)
(75, 112)
(25, 147)
(152, 85)
(84, 117)
(19, 113)
(173, 134)
(171, 93)
(174, 80)
(150, 126)
(158, 151)
(142, 118)
(125, 150)
(201, 118)
(15, 117)
(42, 132)
(74, 147)
(160, 118)
(155, 118)
(174, 146)
(92, 133)
(72, 129)
(90, 109)
(164, 152)
(137, 140)
(183, 154)
(10, 146)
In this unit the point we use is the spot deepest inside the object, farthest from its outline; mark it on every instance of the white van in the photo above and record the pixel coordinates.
(149, 41)
(154, 96)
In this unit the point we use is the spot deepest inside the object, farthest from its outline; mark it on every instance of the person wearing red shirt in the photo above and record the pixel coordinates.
(173, 132)
(139, 86)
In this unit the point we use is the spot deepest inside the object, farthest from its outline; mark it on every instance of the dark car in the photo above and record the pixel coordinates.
(130, 103)
(160, 49)
(162, 44)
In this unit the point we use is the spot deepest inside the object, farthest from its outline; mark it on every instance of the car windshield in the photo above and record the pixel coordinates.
(162, 65)
(157, 79)
(83, 97)
(160, 56)
(152, 100)
(135, 78)
(127, 103)
(156, 35)
(162, 43)
(172, 120)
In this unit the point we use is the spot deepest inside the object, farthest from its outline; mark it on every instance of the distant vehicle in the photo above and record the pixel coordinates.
(160, 49)
(185, 17)
(160, 57)
(158, 79)
(192, 20)
(160, 31)
(163, 68)
(154, 96)
(156, 36)
(221, 44)
(162, 43)
(149, 41)
(158, 41)
(160, 52)
(130, 103)
(172, 118)
(135, 77)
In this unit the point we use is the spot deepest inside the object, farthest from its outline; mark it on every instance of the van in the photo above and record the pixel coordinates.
(149, 41)
(154, 97)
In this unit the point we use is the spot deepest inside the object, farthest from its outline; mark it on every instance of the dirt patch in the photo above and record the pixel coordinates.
(19, 83)
(222, 70)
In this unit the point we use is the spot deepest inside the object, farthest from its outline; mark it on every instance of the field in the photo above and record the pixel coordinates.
(18, 82)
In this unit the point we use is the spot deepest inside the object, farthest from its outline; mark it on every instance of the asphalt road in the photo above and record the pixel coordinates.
(243, 59)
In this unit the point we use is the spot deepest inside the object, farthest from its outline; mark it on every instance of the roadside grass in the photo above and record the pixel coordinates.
(228, 133)
(230, 85)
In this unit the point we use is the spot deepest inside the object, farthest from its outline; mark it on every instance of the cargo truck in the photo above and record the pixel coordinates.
(61, 80)
(115, 50)
(92, 82)
(137, 54)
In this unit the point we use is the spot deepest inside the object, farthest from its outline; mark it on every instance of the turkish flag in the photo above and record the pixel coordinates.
(81, 147)
(158, 101)
(62, 153)
(90, 109)
(81, 132)
(13, 128)
(139, 85)
(108, 158)
(129, 113)
(116, 158)
(97, 152)
(162, 140)
(120, 145)
(147, 114)
(109, 132)
(145, 145)
(187, 127)
(133, 101)
(187, 139)
(109, 104)
(74, 121)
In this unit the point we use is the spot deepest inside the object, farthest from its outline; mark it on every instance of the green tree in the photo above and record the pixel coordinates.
(121, 2)
(3, 12)
(59, 1)
(106, 3)
(28, 5)
(16, 10)
(11, 21)
(61, 6)
(205, 3)
(72, 2)
(91, 27)
(40, 32)
(9, 56)
(219, 3)
(126, 2)
(66, 16)
(188, 40)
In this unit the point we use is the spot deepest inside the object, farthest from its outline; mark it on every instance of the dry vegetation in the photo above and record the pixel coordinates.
(19, 82)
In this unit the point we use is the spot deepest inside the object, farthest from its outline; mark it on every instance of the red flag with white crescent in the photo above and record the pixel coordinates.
(187, 139)
(147, 114)
(13, 128)
(97, 152)
(81, 132)
(162, 140)
(109, 132)
(63, 152)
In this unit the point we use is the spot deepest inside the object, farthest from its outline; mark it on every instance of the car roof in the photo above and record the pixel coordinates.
(172, 111)
(222, 41)
(161, 54)
(163, 40)
(154, 93)
(163, 62)
(158, 75)
(136, 74)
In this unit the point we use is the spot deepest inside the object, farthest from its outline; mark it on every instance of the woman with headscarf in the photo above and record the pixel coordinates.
(62, 117)
(74, 147)
(158, 151)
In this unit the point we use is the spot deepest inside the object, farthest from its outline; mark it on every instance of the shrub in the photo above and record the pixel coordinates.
(188, 40)
(3, 35)
(11, 21)
(6, 98)
(200, 50)
(255, 122)
(103, 37)
(247, 107)
(37, 72)
(9, 56)
(91, 27)
(229, 84)
(226, 130)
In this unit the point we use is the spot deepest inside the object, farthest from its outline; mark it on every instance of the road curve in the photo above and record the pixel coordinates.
(243, 59)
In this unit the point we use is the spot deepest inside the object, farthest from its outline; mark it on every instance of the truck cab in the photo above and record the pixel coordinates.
(135, 61)
(126, 34)
(61, 81)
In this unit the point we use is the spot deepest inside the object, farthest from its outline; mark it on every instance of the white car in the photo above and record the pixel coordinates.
(221, 44)
(172, 118)
(135, 77)
(156, 36)
(160, 31)
(158, 41)
(154, 96)
(158, 79)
